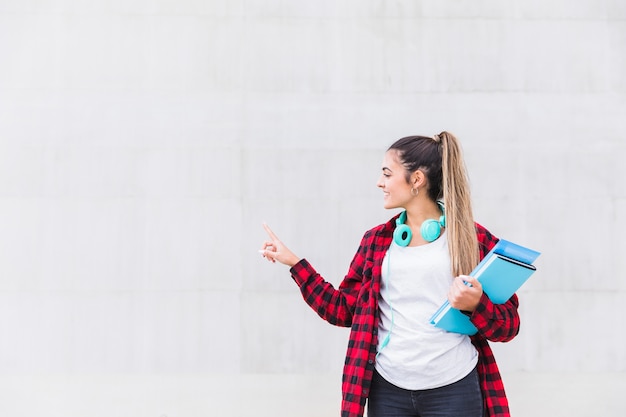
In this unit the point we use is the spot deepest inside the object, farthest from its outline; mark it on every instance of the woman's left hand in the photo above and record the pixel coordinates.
(465, 297)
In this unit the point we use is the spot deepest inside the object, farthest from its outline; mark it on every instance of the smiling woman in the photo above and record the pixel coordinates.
(402, 271)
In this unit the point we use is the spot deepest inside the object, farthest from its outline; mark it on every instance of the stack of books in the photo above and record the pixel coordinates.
(501, 273)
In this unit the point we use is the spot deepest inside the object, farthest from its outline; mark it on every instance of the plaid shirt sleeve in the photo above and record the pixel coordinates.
(333, 305)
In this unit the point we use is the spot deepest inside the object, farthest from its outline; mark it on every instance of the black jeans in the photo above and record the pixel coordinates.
(460, 399)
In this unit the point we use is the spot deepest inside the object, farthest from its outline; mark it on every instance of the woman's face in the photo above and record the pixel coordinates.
(396, 190)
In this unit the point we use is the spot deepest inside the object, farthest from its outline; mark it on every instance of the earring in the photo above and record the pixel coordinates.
(417, 191)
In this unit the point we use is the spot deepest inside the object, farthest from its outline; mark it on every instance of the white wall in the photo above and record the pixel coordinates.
(143, 143)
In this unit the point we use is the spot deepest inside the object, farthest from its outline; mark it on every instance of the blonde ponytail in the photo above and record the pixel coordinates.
(462, 241)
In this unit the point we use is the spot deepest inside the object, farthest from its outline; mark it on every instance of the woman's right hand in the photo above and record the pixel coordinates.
(274, 250)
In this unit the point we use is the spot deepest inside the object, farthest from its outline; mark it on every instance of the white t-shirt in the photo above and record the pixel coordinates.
(415, 281)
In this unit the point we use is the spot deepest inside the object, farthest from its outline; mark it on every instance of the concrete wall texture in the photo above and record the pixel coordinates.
(144, 142)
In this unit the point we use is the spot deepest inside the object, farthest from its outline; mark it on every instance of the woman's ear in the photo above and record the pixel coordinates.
(418, 179)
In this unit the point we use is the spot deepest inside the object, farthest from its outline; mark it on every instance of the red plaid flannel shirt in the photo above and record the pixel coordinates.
(355, 304)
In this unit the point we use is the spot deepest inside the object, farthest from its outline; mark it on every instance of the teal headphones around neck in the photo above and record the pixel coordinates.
(430, 229)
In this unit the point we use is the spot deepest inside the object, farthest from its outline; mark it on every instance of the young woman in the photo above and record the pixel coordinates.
(404, 269)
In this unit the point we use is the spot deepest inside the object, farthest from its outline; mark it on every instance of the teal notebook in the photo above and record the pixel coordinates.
(501, 273)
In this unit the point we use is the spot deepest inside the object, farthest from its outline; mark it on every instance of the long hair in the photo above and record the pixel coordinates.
(440, 158)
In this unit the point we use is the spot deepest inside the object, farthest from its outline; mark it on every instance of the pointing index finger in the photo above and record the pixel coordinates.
(269, 232)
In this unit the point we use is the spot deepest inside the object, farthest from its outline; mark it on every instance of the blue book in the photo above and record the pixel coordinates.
(501, 273)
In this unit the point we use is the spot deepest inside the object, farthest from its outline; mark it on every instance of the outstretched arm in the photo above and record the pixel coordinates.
(333, 305)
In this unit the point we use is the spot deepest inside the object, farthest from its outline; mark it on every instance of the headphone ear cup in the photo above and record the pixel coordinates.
(402, 235)
(430, 230)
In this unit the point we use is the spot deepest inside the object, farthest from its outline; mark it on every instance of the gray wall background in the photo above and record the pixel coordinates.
(144, 142)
